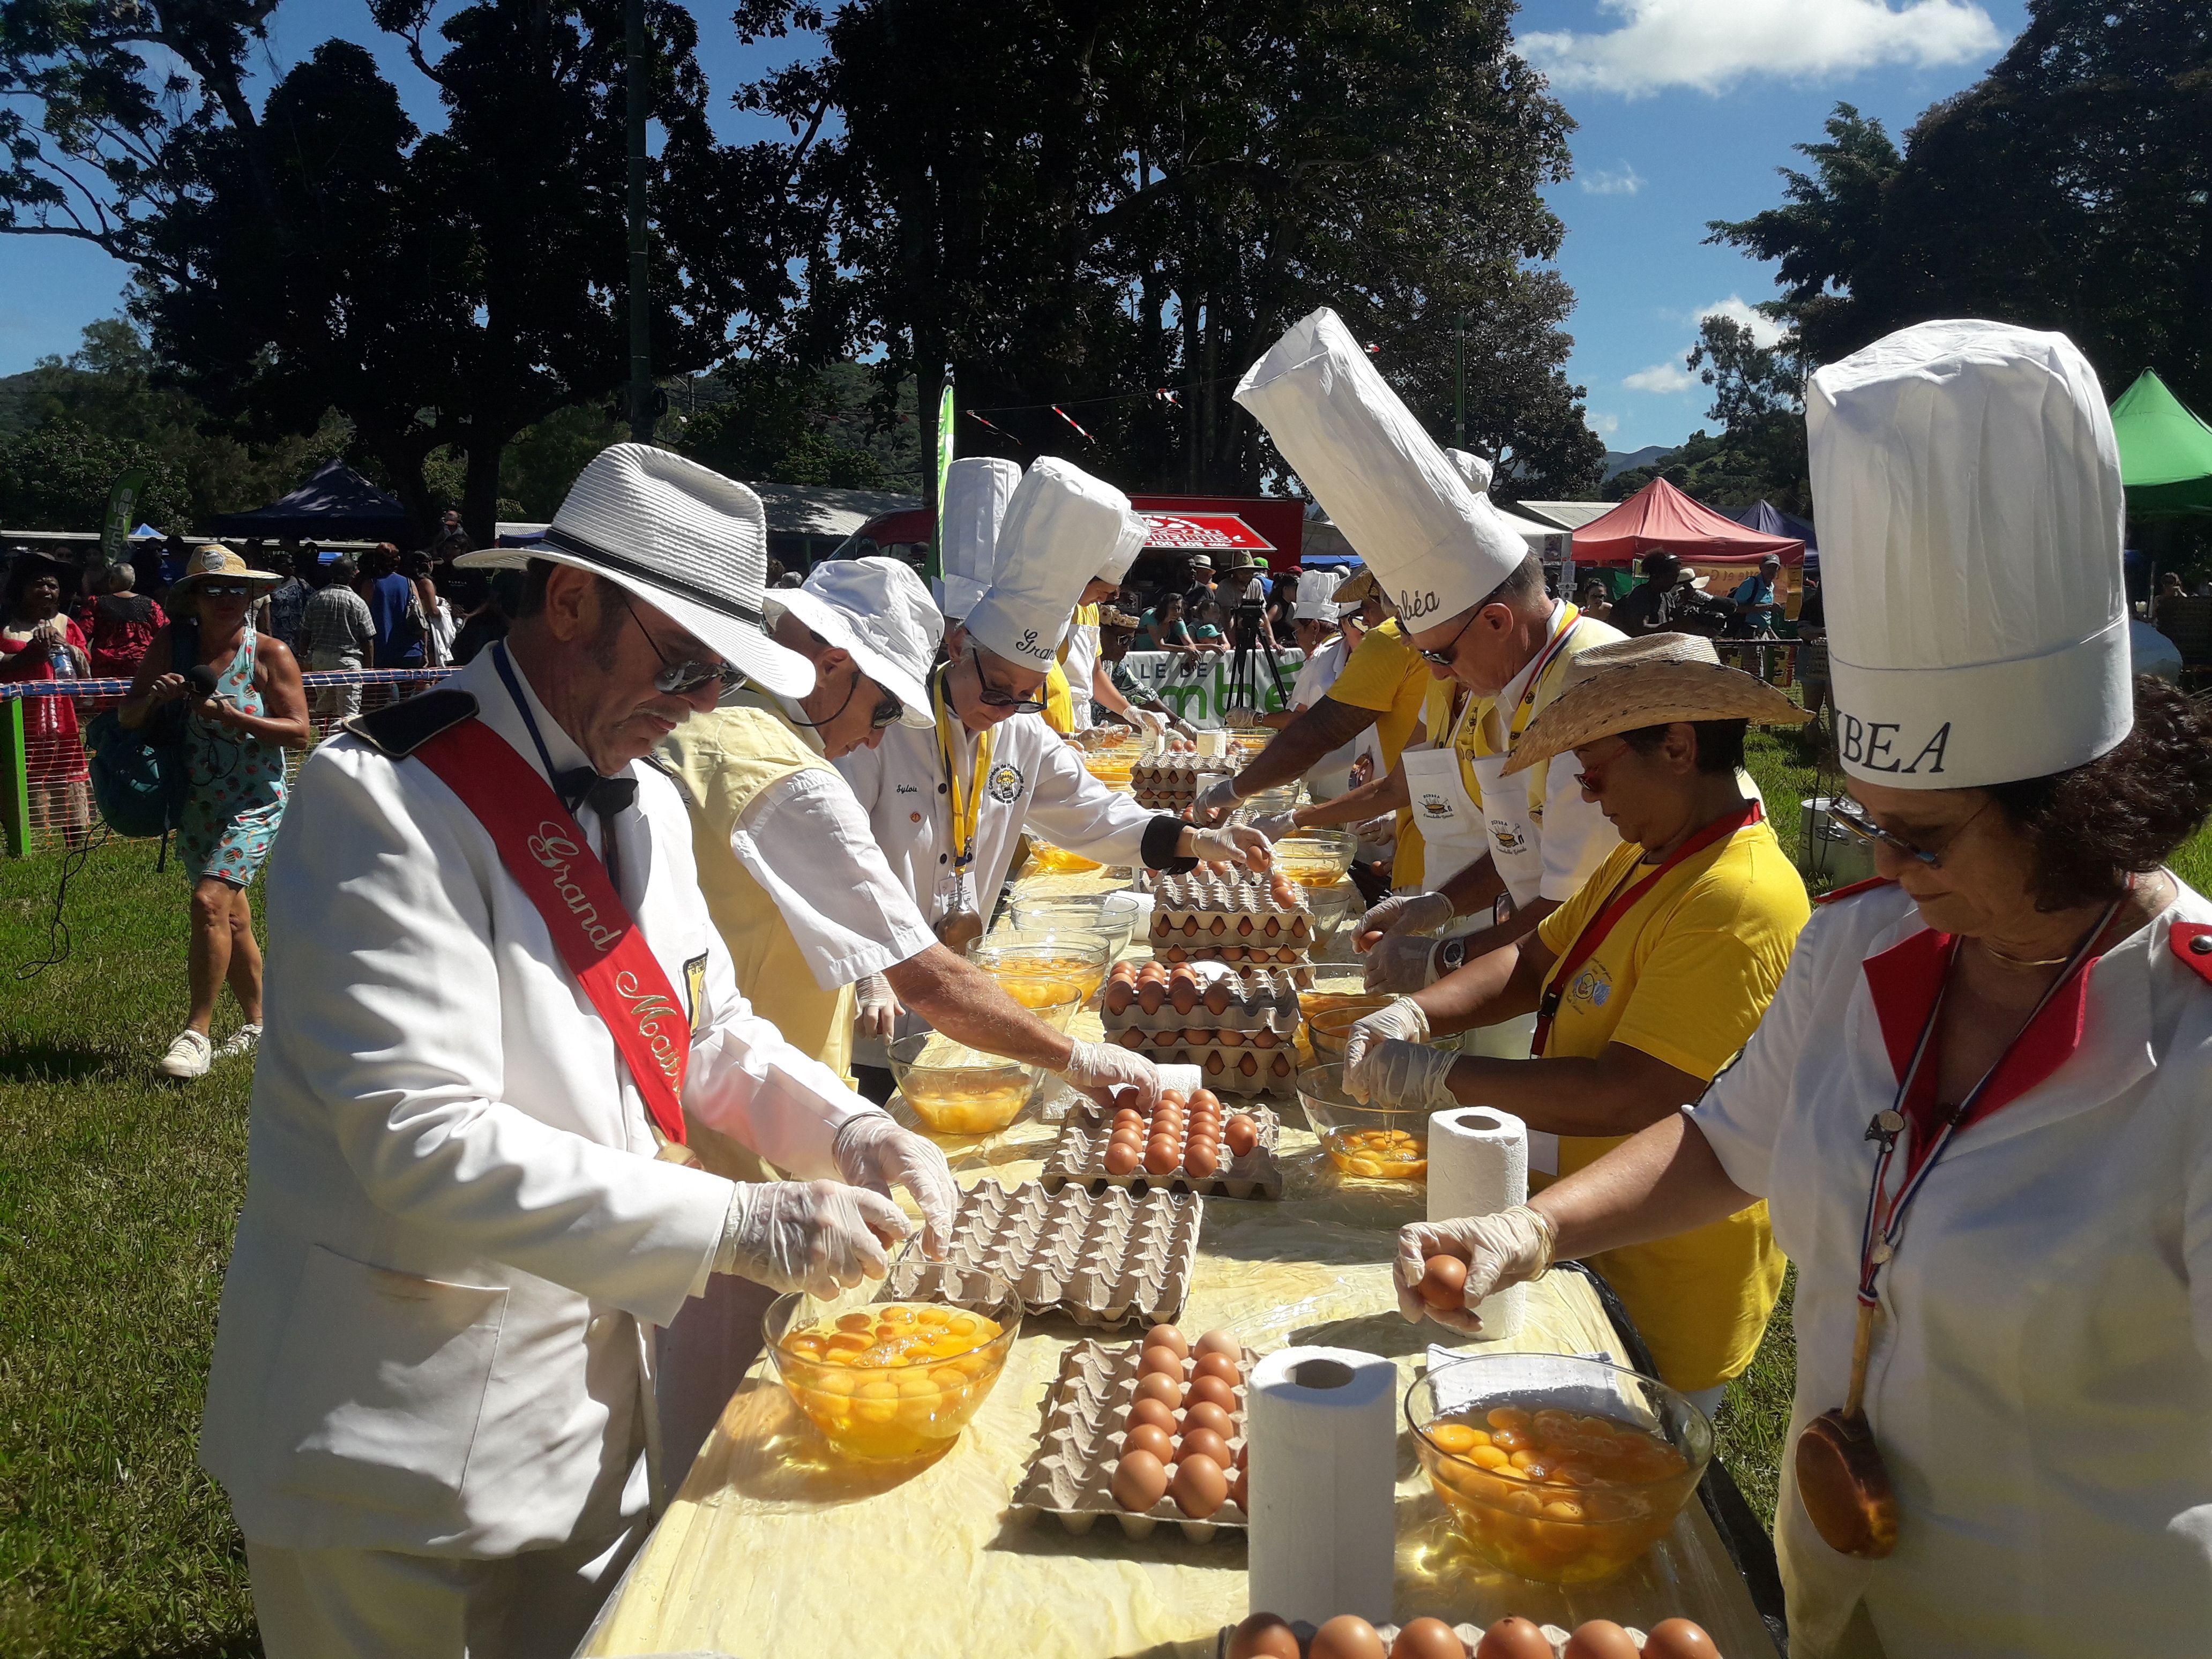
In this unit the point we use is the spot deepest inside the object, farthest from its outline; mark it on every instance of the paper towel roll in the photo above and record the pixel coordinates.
(1478, 1165)
(1323, 1428)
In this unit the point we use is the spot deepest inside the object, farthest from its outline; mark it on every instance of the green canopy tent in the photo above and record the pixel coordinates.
(2165, 451)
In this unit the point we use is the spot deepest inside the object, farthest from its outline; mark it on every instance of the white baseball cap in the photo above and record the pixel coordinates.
(879, 612)
(691, 542)
(1061, 530)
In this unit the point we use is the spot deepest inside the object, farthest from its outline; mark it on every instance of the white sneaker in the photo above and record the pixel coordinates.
(240, 1042)
(190, 1055)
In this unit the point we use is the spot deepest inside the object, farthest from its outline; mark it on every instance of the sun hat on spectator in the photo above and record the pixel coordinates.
(878, 613)
(216, 561)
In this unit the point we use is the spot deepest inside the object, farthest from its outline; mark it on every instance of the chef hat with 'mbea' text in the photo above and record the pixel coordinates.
(1968, 488)
(977, 490)
(1436, 546)
(1062, 528)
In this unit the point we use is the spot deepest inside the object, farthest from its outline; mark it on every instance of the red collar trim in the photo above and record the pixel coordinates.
(1856, 887)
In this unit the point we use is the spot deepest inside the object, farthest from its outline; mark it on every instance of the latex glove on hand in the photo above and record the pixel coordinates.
(872, 1150)
(1403, 912)
(875, 1008)
(1100, 1068)
(818, 1236)
(1401, 1021)
(1240, 843)
(1151, 721)
(1401, 963)
(1216, 801)
(1502, 1251)
(1377, 832)
(1275, 826)
(1409, 1075)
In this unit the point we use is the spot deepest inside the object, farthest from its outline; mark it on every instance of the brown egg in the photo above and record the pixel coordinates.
(1218, 1342)
(1217, 997)
(1599, 1639)
(1220, 1365)
(1205, 1098)
(1129, 1117)
(1149, 995)
(1241, 1133)
(1159, 1357)
(1123, 1158)
(1428, 1638)
(1184, 995)
(1263, 1636)
(1174, 1097)
(1239, 1494)
(1118, 995)
(1212, 1390)
(1347, 1636)
(1167, 1390)
(1242, 1452)
(1146, 1438)
(1232, 1039)
(1444, 1282)
(1171, 1335)
(1678, 1638)
(1515, 1638)
(1156, 1412)
(1200, 1487)
(1201, 1159)
(1140, 1481)
(1162, 1157)
(1205, 1414)
(1203, 1443)
(1264, 1039)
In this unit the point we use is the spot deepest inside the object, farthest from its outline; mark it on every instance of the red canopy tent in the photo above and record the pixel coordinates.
(1660, 516)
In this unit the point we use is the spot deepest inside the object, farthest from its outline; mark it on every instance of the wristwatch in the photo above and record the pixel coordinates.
(1451, 955)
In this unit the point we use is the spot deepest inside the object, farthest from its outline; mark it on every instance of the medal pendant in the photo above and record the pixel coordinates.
(959, 930)
(673, 1151)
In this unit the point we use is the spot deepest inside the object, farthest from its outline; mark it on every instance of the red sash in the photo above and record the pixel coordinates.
(1596, 931)
(544, 849)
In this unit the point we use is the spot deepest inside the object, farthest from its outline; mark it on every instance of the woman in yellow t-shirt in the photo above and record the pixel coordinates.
(1645, 983)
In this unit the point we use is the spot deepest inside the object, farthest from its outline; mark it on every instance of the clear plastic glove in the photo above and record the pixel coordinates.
(1402, 1021)
(1406, 1075)
(1099, 1068)
(1404, 912)
(875, 1008)
(1275, 826)
(1153, 723)
(1242, 718)
(1240, 843)
(1401, 963)
(818, 1236)
(1502, 1251)
(873, 1152)
(1216, 801)
(1378, 832)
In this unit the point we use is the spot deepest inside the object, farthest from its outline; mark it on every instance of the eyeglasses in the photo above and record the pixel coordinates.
(681, 678)
(889, 712)
(1443, 658)
(991, 697)
(1594, 780)
(222, 590)
(1854, 818)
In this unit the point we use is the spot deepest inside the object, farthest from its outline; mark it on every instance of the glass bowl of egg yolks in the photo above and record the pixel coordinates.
(958, 1090)
(1040, 957)
(888, 1381)
(1374, 1143)
(1556, 1468)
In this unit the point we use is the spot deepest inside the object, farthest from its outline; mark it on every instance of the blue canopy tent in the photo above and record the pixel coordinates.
(336, 504)
(1771, 521)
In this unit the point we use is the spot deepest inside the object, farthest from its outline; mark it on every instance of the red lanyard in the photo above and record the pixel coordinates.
(1595, 933)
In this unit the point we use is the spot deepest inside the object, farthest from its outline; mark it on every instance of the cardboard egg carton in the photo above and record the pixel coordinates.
(1101, 1258)
(1171, 781)
(1203, 995)
(1470, 1634)
(1080, 1155)
(1228, 1064)
(1071, 1476)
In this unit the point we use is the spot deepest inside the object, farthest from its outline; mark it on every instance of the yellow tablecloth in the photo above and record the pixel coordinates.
(776, 1546)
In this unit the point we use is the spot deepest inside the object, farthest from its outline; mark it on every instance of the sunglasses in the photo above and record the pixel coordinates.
(222, 590)
(1593, 779)
(991, 697)
(1855, 818)
(681, 678)
(1443, 658)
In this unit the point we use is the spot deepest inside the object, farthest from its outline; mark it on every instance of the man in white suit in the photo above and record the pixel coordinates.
(498, 994)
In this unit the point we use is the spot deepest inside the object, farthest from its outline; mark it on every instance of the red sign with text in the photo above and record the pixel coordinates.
(1202, 532)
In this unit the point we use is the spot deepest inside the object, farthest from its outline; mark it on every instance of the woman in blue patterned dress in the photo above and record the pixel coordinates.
(235, 740)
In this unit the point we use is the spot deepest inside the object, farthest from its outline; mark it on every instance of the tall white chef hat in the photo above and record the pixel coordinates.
(1131, 544)
(1316, 596)
(1061, 529)
(1436, 546)
(977, 491)
(1968, 486)
(1472, 467)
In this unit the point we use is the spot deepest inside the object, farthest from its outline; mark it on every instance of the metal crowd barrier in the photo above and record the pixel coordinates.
(45, 794)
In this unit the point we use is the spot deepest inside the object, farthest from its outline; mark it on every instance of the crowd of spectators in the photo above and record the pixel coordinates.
(1190, 608)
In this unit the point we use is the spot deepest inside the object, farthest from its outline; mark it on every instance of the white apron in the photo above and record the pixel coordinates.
(1513, 816)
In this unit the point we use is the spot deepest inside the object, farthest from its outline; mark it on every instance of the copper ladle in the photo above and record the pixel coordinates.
(1841, 1479)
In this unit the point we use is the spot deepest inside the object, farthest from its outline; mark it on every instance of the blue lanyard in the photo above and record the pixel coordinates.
(522, 707)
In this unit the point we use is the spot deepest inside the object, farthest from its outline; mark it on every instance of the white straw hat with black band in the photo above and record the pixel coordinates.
(1970, 508)
(977, 489)
(689, 542)
(879, 612)
(1655, 679)
(1061, 530)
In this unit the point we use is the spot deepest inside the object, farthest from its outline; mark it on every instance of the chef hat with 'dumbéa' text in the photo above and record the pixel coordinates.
(1968, 488)
(977, 491)
(1062, 528)
(1436, 546)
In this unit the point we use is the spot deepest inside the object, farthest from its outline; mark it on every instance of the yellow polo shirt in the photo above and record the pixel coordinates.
(1686, 976)
(1386, 674)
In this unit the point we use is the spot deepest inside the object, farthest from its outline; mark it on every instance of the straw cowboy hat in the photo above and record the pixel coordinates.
(1357, 588)
(1626, 684)
(216, 563)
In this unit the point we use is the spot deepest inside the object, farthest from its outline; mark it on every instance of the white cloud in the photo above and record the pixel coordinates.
(1604, 425)
(1624, 180)
(1765, 330)
(1710, 45)
(1668, 377)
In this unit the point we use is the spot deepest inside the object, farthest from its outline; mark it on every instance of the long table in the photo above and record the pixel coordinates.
(774, 1545)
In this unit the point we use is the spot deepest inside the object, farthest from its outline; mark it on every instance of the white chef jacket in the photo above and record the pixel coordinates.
(1331, 775)
(2041, 1386)
(453, 1219)
(1036, 779)
(808, 843)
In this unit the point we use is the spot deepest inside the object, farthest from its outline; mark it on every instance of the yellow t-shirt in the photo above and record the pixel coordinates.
(1686, 976)
(1386, 674)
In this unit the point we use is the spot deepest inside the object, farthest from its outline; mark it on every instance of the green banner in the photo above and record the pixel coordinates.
(122, 504)
(946, 414)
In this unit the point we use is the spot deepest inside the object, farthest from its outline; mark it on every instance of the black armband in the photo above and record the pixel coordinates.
(1158, 850)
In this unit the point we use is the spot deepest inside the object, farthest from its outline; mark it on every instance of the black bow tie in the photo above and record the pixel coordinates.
(583, 787)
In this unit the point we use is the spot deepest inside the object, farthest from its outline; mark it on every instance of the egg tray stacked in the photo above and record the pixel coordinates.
(1258, 922)
(1240, 1029)
(1101, 1258)
(1171, 782)
(1071, 1476)
(1470, 1636)
(1080, 1155)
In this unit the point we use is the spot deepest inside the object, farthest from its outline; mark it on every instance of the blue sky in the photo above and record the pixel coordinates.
(1685, 109)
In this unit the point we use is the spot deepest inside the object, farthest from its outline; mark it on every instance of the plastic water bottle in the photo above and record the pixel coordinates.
(63, 665)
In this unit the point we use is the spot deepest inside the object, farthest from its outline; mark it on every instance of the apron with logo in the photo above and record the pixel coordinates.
(1513, 808)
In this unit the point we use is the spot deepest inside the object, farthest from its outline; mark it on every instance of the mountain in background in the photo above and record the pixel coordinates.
(1621, 461)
